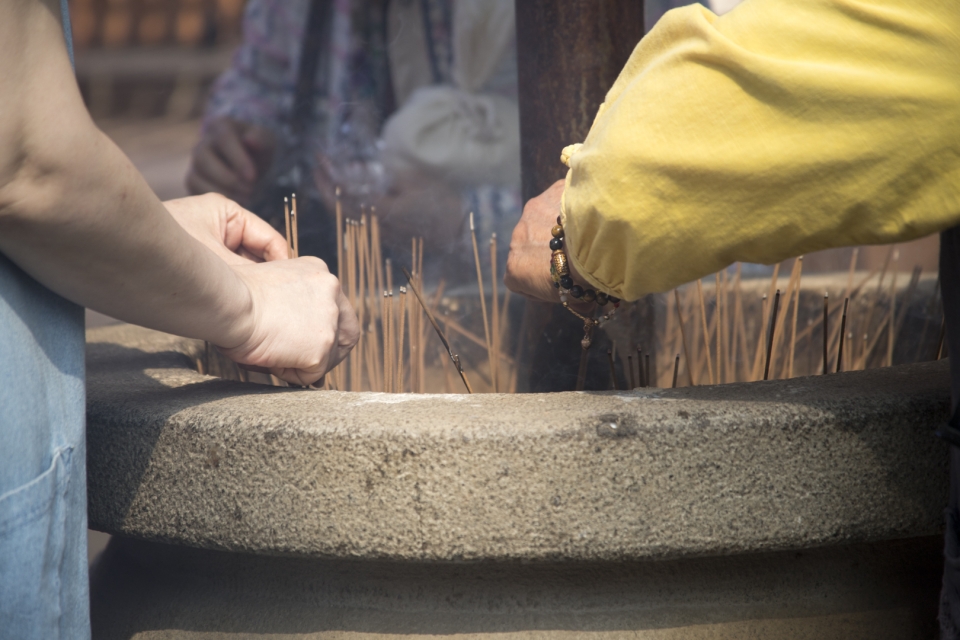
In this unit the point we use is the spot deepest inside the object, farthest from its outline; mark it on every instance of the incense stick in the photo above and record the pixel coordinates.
(613, 371)
(686, 349)
(400, 334)
(943, 328)
(630, 379)
(495, 315)
(483, 297)
(706, 334)
(646, 372)
(641, 378)
(843, 325)
(286, 222)
(780, 328)
(454, 358)
(773, 325)
(294, 227)
(676, 370)
(338, 207)
(826, 323)
(796, 309)
(893, 306)
(582, 368)
(718, 294)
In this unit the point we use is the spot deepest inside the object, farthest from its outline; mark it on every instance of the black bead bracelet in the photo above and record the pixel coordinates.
(562, 280)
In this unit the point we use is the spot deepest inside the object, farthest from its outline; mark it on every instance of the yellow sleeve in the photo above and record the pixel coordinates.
(781, 128)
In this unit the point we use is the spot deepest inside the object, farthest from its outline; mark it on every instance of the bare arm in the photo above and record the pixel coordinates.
(76, 215)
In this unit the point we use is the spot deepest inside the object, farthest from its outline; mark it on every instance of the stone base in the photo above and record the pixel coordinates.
(153, 591)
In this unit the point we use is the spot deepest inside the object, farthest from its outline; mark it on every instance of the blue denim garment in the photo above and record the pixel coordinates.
(43, 499)
(44, 591)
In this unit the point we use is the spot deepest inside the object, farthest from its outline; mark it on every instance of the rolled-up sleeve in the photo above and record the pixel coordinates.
(778, 129)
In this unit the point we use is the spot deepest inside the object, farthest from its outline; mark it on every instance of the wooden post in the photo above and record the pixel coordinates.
(568, 55)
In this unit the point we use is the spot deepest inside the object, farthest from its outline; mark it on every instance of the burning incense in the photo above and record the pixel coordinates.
(676, 370)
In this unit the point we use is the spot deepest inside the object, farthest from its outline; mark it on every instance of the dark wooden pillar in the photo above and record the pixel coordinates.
(569, 52)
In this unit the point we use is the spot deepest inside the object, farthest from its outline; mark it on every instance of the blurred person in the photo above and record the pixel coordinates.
(80, 227)
(775, 130)
(409, 105)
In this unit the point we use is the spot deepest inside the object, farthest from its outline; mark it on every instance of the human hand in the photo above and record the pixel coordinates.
(528, 265)
(233, 233)
(230, 158)
(302, 326)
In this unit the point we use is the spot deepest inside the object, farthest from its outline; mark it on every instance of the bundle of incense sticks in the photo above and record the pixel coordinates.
(717, 330)
(723, 337)
(396, 352)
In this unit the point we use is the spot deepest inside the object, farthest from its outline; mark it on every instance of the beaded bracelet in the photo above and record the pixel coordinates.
(562, 280)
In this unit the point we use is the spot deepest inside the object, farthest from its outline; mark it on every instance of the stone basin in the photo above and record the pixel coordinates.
(806, 508)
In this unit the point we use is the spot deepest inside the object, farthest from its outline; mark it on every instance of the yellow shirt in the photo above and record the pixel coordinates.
(781, 128)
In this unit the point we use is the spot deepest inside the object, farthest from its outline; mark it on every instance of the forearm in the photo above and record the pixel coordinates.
(90, 229)
(76, 215)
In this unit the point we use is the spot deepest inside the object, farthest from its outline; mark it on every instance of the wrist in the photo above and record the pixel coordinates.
(567, 279)
(237, 319)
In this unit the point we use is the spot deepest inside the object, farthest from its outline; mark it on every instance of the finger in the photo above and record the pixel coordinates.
(243, 253)
(299, 377)
(247, 232)
(348, 330)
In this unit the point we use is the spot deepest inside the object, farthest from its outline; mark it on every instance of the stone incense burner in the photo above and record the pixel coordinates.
(808, 508)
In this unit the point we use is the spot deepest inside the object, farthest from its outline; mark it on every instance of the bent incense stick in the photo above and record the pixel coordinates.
(436, 327)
